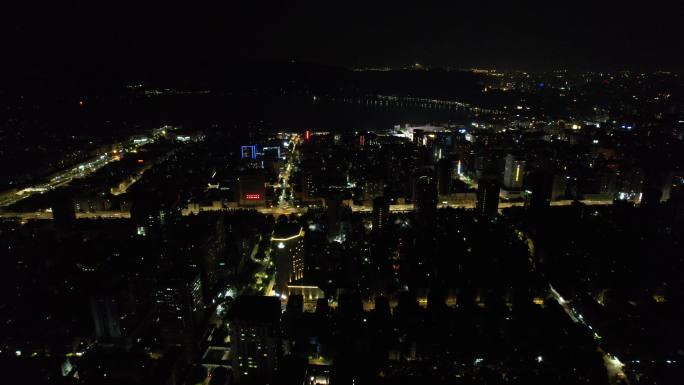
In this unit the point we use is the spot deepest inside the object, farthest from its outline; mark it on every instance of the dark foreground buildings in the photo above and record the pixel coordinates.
(255, 323)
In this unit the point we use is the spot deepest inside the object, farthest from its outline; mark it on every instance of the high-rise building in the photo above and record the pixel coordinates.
(487, 196)
(334, 215)
(255, 339)
(444, 175)
(540, 186)
(426, 199)
(310, 173)
(121, 312)
(308, 185)
(287, 245)
(482, 165)
(381, 210)
(514, 172)
(106, 316)
(213, 261)
(180, 307)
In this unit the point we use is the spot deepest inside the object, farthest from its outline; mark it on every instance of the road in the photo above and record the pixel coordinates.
(614, 366)
(48, 215)
(284, 209)
(60, 179)
(471, 205)
(286, 173)
(80, 170)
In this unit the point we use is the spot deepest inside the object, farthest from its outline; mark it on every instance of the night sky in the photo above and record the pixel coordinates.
(127, 37)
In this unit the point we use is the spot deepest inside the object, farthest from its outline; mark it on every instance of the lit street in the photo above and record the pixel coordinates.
(81, 170)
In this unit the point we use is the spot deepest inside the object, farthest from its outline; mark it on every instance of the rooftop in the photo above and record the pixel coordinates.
(256, 308)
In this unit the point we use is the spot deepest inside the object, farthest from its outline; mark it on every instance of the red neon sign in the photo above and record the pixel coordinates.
(253, 197)
(307, 134)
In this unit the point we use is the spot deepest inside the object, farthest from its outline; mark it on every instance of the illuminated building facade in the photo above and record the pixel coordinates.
(251, 190)
(287, 245)
(514, 173)
(309, 175)
(248, 152)
(487, 196)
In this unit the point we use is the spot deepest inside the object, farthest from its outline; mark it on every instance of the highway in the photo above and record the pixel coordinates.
(60, 179)
(80, 170)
